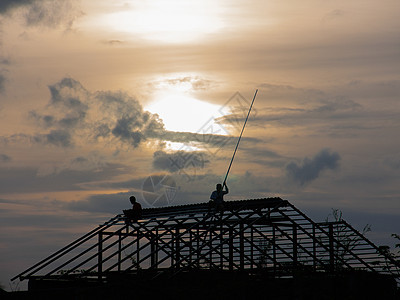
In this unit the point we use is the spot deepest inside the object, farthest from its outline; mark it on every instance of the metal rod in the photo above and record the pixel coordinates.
(237, 145)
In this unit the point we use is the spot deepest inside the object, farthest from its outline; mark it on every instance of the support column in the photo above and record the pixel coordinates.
(138, 252)
(177, 250)
(294, 236)
(231, 249)
(274, 247)
(100, 257)
(331, 250)
(241, 232)
(119, 251)
(153, 250)
(221, 248)
(314, 248)
(251, 249)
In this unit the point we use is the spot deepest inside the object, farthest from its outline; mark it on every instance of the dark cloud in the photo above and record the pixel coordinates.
(4, 157)
(45, 121)
(74, 113)
(28, 180)
(298, 105)
(208, 140)
(290, 93)
(176, 161)
(46, 13)
(102, 130)
(339, 103)
(2, 82)
(60, 138)
(106, 203)
(3, 62)
(7, 5)
(126, 119)
(67, 111)
(124, 129)
(310, 169)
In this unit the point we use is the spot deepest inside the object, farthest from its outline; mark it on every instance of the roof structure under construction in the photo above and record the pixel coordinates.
(267, 237)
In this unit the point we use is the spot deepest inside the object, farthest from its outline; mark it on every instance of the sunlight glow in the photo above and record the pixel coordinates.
(181, 146)
(168, 21)
(183, 113)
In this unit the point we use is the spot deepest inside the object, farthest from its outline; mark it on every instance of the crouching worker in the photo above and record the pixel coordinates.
(135, 213)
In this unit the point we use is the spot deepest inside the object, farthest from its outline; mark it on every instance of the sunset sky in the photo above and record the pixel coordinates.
(101, 99)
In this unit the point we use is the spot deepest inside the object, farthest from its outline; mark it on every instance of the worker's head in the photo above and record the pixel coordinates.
(219, 187)
(132, 199)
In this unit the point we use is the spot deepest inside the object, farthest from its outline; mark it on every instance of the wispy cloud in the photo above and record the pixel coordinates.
(176, 161)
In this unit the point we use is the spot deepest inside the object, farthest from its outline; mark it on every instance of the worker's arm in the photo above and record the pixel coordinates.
(226, 188)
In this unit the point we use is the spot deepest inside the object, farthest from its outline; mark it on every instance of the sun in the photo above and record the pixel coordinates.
(183, 113)
(168, 21)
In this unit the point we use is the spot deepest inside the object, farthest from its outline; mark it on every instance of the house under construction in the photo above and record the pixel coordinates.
(266, 244)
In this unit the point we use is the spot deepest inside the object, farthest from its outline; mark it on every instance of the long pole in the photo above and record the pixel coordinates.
(240, 136)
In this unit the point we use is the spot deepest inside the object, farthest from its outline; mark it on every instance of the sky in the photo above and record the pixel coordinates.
(100, 100)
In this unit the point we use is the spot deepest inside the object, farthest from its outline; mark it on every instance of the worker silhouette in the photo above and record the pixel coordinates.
(136, 211)
(217, 196)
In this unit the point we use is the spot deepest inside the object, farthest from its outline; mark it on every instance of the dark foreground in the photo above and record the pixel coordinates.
(206, 284)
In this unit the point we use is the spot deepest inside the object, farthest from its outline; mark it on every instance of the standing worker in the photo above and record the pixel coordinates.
(218, 196)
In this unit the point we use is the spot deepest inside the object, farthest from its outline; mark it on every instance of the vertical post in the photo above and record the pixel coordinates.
(172, 249)
(209, 249)
(274, 247)
(314, 248)
(221, 248)
(190, 247)
(119, 251)
(137, 248)
(156, 241)
(295, 245)
(241, 240)
(331, 250)
(251, 249)
(177, 251)
(198, 248)
(100, 257)
(152, 251)
(230, 249)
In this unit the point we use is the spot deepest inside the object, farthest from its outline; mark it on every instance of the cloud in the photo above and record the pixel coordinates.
(105, 203)
(113, 42)
(74, 113)
(4, 157)
(67, 105)
(207, 140)
(176, 161)
(334, 14)
(3, 70)
(7, 5)
(65, 178)
(339, 103)
(2, 82)
(59, 138)
(310, 169)
(47, 13)
(184, 83)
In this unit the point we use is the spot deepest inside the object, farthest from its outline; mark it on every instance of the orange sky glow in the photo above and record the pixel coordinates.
(97, 96)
